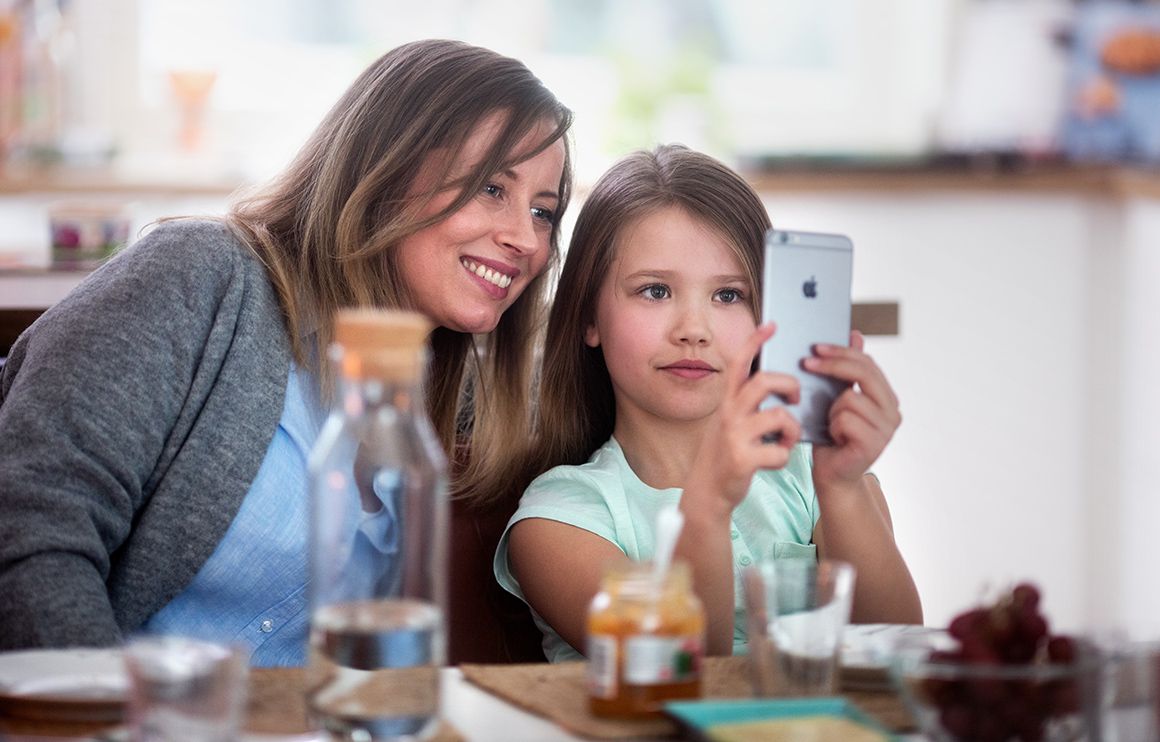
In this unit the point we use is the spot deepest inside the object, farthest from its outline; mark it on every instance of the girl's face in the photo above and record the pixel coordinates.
(670, 316)
(466, 270)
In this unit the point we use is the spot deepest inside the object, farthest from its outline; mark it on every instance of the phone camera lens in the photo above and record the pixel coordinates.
(784, 237)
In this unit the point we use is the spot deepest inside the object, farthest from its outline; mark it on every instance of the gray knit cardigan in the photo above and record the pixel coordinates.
(134, 415)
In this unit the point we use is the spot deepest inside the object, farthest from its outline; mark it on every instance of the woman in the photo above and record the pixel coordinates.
(154, 424)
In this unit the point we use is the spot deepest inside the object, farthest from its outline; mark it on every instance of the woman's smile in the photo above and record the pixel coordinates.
(496, 278)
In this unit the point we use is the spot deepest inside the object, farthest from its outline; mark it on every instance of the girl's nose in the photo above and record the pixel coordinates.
(692, 327)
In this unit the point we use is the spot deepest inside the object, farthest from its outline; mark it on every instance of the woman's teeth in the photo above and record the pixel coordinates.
(488, 274)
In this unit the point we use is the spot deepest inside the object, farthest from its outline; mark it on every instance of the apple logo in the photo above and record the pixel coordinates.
(810, 288)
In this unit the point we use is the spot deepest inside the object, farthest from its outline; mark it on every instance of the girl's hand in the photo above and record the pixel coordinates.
(862, 419)
(733, 449)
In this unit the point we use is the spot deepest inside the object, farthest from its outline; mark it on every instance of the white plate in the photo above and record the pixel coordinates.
(867, 650)
(63, 684)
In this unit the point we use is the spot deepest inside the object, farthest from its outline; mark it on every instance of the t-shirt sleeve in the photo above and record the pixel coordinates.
(566, 495)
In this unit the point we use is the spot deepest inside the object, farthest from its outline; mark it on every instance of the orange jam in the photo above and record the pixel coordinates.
(646, 641)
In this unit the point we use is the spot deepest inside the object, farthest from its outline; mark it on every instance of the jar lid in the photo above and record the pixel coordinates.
(380, 329)
(381, 343)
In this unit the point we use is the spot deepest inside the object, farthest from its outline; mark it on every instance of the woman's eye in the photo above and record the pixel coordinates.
(493, 190)
(730, 296)
(544, 215)
(656, 291)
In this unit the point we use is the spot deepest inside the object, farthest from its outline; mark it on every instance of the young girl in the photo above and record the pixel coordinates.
(648, 400)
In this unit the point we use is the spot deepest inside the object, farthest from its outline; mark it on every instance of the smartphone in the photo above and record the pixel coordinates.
(806, 290)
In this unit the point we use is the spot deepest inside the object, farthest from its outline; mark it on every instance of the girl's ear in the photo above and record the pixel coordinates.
(592, 336)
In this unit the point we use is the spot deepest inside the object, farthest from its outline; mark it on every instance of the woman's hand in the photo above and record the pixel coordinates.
(733, 449)
(862, 419)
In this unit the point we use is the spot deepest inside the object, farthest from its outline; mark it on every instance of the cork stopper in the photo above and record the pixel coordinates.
(381, 343)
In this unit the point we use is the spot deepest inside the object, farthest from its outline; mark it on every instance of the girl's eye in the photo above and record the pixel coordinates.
(655, 291)
(545, 215)
(493, 190)
(730, 296)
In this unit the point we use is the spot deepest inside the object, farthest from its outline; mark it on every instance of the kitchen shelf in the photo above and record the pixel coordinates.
(1107, 181)
(97, 182)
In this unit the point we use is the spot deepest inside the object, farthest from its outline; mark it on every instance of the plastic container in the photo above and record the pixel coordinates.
(84, 235)
(646, 641)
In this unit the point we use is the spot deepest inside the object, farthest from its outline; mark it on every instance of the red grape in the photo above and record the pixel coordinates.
(1010, 632)
(1025, 595)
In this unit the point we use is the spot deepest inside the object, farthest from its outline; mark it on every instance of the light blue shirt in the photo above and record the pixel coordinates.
(604, 496)
(252, 590)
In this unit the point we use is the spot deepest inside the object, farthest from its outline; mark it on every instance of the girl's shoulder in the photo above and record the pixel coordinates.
(601, 474)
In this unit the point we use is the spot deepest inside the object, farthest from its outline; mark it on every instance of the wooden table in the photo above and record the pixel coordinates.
(277, 709)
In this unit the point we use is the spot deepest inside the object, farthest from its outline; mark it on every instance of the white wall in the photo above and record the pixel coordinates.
(1007, 368)
(1134, 598)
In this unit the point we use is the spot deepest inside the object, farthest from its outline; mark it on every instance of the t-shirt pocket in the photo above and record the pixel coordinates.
(794, 550)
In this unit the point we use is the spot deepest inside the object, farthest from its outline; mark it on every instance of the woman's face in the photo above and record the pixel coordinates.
(466, 270)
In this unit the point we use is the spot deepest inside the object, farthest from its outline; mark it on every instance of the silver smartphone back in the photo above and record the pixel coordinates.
(806, 281)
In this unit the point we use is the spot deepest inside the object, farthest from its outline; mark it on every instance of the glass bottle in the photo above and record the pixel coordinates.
(646, 641)
(378, 538)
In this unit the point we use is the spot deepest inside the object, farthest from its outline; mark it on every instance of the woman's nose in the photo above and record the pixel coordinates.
(517, 231)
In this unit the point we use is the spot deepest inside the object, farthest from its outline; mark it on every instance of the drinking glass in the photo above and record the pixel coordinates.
(185, 689)
(797, 611)
(1132, 691)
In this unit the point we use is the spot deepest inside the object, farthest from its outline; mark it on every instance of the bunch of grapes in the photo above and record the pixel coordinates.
(1004, 706)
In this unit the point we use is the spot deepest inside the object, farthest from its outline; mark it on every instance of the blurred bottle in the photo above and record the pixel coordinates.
(48, 71)
(378, 541)
(11, 73)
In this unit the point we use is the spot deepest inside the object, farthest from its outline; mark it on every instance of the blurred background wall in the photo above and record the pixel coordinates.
(1026, 349)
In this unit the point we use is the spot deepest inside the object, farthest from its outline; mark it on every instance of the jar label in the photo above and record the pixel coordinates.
(602, 666)
(654, 660)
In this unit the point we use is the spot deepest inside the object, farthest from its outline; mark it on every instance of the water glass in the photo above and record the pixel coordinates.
(185, 689)
(1132, 691)
(797, 611)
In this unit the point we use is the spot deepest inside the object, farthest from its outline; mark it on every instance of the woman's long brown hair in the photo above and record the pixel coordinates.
(327, 228)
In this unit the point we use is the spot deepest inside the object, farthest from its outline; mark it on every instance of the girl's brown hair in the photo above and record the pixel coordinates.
(327, 228)
(577, 410)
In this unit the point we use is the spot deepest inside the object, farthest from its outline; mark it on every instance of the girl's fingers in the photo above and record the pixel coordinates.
(847, 429)
(886, 419)
(773, 420)
(855, 367)
(738, 369)
(764, 384)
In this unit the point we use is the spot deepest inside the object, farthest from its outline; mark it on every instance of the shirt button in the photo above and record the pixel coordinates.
(266, 627)
(734, 534)
(745, 561)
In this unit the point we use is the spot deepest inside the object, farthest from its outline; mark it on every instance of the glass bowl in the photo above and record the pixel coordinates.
(953, 700)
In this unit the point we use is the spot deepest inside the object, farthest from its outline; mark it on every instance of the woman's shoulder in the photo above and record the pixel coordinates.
(195, 264)
(193, 246)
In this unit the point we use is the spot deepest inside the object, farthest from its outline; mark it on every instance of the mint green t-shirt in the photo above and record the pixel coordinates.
(604, 496)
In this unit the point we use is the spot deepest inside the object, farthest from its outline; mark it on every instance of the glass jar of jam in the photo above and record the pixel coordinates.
(646, 641)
